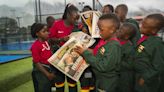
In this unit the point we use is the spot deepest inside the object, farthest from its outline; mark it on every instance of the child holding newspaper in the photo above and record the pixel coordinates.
(105, 63)
(59, 34)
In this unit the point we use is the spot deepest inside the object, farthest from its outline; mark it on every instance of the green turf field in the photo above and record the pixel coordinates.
(16, 76)
(15, 73)
(26, 87)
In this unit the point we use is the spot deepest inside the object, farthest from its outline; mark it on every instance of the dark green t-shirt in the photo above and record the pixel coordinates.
(150, 57)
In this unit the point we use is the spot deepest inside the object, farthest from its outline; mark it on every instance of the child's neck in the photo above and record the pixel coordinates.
(42, 40)
(67, 23)
(113, 36)
(148, 35)
(122, 39)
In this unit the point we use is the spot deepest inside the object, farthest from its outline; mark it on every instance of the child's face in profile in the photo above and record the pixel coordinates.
(107, 28)
(122, 33)
(43, 33)
(148, 26)
(73, 17)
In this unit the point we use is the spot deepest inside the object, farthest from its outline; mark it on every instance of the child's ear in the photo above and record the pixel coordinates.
(127, 37)
(154, 32)
(68, 15)
(37, 34)
(114, 29)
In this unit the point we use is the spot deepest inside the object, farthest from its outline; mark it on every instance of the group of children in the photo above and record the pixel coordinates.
(120, 61)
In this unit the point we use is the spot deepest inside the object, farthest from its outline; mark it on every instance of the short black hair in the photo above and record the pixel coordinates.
(36, 27)
(112, 17)
(132, 29)
(88, 7)
(122, 6)
(49, 18)
(159, 18)
(110, 7)
(68, 10)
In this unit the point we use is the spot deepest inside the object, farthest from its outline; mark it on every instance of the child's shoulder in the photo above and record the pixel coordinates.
(110, 47)
(128, 47)
(128, 44)
(132, 21)
(113, 43)
(155, 39)
(36, 43)
(59, 22)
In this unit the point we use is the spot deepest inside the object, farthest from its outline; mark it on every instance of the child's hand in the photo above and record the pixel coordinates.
(85, 30)
(141, 81)
(50, 76)
(91, 50)
(79, 50)
(65, 38)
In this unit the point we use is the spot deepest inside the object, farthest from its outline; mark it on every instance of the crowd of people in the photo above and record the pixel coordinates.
(127, 57)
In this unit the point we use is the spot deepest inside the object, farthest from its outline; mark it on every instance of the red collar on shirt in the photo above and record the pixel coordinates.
(113, 39)
(122, 42)
(143, 38)
(102, 43)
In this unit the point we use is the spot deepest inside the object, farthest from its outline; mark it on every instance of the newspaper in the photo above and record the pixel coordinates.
(67, 60)
(91, 19)
(83, 38)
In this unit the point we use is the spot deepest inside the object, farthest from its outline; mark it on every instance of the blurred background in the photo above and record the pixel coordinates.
(16, 17)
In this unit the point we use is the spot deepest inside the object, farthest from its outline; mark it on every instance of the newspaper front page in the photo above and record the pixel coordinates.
(67, 60)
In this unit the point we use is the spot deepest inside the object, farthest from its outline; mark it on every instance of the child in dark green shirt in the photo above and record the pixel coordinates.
(121, 11)
(126, 80)
(106, 62)
(149, 63)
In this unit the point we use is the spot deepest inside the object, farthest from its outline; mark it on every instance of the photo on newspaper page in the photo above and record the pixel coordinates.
(84, 38)
(91, 19)
(68, 61)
